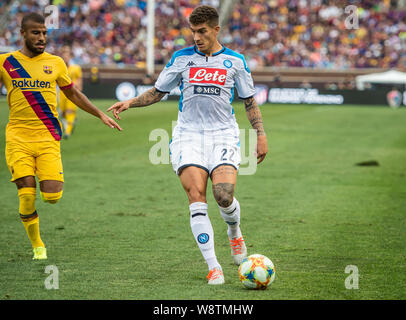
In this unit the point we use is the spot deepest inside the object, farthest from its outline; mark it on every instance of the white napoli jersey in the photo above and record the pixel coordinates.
(207, 87)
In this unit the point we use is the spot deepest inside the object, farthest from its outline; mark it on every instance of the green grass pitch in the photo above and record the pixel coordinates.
(121, 230)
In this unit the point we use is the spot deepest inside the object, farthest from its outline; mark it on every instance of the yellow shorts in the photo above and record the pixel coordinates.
(42, 159)
(65, 104)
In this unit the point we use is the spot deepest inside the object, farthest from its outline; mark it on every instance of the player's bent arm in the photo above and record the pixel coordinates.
(79, 99)
(149, 97)
(255, 118)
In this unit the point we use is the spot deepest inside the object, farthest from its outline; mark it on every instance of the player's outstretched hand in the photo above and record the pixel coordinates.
(262, 148)
(119, 107)
(109, 122)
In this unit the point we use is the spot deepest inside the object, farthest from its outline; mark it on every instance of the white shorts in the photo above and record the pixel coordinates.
(207, 150)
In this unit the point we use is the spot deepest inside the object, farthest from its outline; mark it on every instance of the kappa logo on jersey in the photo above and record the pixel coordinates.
(207, 75)
(190, 63)
(214, 91)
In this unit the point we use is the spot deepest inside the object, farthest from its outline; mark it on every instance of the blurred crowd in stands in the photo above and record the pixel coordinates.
(276, 33)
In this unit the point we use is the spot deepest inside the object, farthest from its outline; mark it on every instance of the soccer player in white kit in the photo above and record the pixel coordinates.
(205, 141)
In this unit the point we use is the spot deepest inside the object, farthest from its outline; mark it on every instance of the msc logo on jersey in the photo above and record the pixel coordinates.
(207, 75)
(203, 238)
(48, 69)
(214, 91)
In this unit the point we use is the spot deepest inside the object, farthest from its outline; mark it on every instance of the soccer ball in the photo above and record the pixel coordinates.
(256, 272)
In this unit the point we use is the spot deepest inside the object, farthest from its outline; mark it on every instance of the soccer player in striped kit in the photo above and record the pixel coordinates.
(205, 141)
(33, 132)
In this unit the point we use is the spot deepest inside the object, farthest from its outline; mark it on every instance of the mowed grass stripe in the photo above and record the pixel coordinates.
(122, 230)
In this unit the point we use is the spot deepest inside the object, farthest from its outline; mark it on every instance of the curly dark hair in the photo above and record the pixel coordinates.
(203, 14)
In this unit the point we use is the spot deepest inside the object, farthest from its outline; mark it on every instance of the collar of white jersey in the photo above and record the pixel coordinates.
(214, 54)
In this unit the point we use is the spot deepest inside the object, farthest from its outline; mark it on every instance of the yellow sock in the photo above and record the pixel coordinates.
(32, 229)
(70, 121)
(29, 216)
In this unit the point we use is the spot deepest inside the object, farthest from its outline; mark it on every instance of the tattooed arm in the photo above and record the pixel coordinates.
(255, 118)
(149, 97)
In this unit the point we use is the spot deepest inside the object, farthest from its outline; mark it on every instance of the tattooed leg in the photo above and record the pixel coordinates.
(224, 179)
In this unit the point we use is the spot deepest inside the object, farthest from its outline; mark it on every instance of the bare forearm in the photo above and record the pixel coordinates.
(79, 99)
(254, 116)
(149, 97)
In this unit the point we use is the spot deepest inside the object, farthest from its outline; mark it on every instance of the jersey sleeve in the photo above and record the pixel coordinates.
(63, 80)
(169, 77)
(243, 81)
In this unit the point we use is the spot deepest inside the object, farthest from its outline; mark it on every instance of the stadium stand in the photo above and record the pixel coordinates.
(278, 33)
(297, 38)
(313, 34)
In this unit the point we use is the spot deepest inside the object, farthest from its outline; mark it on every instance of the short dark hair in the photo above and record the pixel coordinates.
(203, 14)
(32, 16)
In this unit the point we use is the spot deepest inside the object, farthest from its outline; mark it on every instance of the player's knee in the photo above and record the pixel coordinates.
(27, 200)
(52, 198)
(224, 194)
(196, 195)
